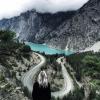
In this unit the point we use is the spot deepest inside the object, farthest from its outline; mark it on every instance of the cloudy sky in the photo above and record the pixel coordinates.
(10, 8)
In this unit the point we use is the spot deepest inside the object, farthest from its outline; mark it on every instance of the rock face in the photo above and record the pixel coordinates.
(76, 30)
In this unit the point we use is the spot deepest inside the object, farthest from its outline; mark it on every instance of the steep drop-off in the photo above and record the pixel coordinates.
(76, 30)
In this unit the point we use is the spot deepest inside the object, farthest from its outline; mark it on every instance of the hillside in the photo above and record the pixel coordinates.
(76, 30)
(86, 69)
(15, 60)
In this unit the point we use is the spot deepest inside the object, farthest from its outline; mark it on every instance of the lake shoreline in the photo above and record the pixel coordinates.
(43, 48)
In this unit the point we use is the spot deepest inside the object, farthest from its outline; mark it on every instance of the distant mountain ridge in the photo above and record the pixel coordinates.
(76, 30)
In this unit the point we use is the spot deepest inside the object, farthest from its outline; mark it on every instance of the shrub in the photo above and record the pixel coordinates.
(26, 48)
(1, 77)
(6, 35)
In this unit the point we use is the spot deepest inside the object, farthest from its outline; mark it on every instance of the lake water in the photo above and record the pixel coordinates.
(46, 49)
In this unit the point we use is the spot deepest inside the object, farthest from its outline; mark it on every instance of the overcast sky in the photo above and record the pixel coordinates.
(10, 8)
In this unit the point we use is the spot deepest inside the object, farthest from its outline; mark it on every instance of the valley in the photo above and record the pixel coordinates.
(42, 48)
(72, 76)
(76, 30)
(64, 44)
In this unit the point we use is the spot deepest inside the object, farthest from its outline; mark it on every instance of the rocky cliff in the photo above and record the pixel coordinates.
(76, 30)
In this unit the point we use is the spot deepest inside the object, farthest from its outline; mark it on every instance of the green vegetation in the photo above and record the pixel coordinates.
(84, 65)
(12, 55)
(7, 36)
(26, 92)
(87, 64)
(10, 47)
(78, 94)
(26, 48)
(54, 72)
(25, 51)
(92, 66)
(1, 77)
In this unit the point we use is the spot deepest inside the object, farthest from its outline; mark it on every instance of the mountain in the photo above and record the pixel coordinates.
(76, 30)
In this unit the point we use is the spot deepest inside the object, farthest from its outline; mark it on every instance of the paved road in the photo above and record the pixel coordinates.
(28, 77)
(68, 82)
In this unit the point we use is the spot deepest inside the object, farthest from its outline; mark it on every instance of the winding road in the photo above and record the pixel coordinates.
(68, 82)
(27, 78)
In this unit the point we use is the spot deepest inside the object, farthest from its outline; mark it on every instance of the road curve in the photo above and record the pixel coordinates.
(68, 82)
(27, 78)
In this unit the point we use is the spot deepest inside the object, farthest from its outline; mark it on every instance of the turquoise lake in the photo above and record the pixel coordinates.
(46, 49)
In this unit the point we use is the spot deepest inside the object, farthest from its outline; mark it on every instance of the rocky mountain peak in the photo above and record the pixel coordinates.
(76, 30)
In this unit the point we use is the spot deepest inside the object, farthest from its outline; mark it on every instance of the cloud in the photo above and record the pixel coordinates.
(10, 8)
